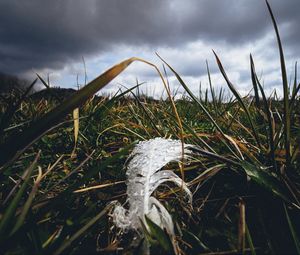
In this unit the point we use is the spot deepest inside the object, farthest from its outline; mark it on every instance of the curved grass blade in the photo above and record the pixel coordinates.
(194, 241)
(254, 83)
(295, 92)
(27, 205)
(287, 120)
(295, 79)
(19, 142)
(239, 98)
(208, 173)
(266, 180)
(193, 96)
(211, 88)
(161, 236)
(268, 113)
(214, 156)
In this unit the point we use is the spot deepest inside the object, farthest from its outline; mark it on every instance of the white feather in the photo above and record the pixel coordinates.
(143, 177)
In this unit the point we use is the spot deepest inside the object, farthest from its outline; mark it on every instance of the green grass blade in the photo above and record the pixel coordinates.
(221, 95)
(295, 79)
(200, 91)
(265, 180)
(287, 120)
(10, 211)
(213, 96)
(292, 230)
(293, 98)
(161, 236)
(239, 98)
(250, 241)
(254, 83)
(267, 112)
(27, 204)
(194, 241)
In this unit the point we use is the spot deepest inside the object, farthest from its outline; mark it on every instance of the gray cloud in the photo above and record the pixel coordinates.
(48, 34)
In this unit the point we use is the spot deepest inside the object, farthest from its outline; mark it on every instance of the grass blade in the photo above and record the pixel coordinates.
(211, 88)
(293, 232)
(43, 81)
(242, 228)
(287, 120)
(76, 130)
(199, 104)
(268, 112)
(10, 211)
(239, 98)
(249, 240)
(17, 143)
(295, 79)
(294, 96)
(254, 83)
(76, 124)
(28, 203)
(266, 181)
(161, 236)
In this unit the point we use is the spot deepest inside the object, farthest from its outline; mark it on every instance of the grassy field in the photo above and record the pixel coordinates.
(62, 158)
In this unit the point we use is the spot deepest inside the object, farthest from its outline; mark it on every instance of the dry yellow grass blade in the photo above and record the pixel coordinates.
(16, 144)
(101, 186)
(233, 142)
(76, 124)
(242, 228)
(76, 130)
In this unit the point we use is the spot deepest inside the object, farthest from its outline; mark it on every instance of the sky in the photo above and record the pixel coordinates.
(66, 39)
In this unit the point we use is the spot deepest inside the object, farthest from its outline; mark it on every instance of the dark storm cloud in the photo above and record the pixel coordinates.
(48, 34)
